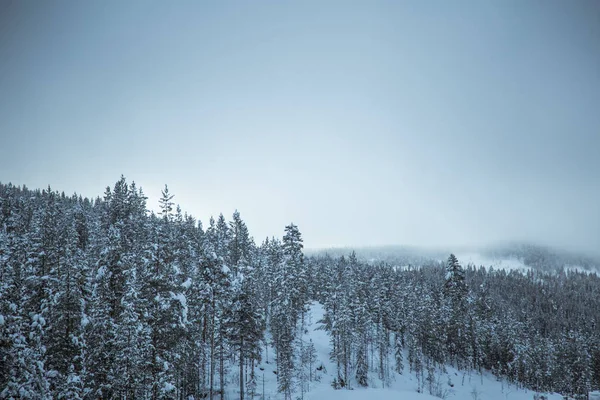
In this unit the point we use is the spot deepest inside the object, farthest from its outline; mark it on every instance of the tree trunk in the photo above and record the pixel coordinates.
(221, 364)
(242, 368)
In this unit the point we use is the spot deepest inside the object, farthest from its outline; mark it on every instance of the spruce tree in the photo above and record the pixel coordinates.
(456, 292)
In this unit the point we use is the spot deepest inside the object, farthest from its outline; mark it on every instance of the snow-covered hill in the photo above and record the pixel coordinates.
(452, 384)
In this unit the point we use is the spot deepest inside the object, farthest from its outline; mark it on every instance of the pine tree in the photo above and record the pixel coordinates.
(398, 353)
(5, 279)
(67, 345)
(245, 327)
(362, 366)
(240, 244)
(216, 276)
(167, 304)
(289, 306)
(357, 294)
(456, 293)
(28, 326)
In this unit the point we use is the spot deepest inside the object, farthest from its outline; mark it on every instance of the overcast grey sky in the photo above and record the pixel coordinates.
(364, 122)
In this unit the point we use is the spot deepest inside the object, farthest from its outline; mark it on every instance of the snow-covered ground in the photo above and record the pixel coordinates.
(367, 394)
(454, 384)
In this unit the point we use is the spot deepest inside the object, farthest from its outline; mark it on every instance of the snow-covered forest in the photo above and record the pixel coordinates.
(101, 298)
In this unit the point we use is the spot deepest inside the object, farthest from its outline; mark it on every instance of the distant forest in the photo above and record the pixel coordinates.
(101, 298)
(534, 256)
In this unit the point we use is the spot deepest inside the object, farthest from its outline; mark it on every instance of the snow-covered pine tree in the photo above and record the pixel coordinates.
(358, 299)
(24, 302)
(245, 326)
(66, 348)
(241, 246)
(217, 279)
(167, 305)
(119, 251)
(5, 281)
(456, 292)
(289, 304)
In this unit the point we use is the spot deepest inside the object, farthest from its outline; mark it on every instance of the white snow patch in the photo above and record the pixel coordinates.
(183, 301)
(187, 284)
(168, 387)
(100, 273)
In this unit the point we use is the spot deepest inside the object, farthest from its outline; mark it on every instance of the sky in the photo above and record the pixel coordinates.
(365, 123)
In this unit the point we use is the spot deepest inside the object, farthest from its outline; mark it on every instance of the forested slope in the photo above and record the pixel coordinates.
(103, 299)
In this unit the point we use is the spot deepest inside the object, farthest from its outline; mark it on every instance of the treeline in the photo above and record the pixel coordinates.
(103, 299)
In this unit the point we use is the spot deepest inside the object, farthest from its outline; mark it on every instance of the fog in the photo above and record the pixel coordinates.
(365, 123)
